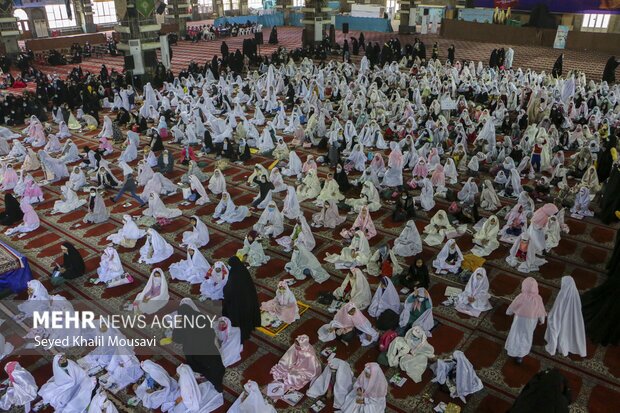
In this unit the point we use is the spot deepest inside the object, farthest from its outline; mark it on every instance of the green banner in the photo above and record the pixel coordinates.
(145, 7)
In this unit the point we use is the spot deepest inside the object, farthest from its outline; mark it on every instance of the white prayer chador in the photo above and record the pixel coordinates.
(253, 252)
(359, 246)
(477, 288)
(270, 223)
(411, 353)
(156, 249)
(130, 231)
(438, 228)
(69, 201)
(369, 196)
(424, 320)
(69, 389)
(110, 266)
(408, 242)
(217, 183)
(302, 234)
(124, 368)
(360, 289)
(227, 211)
(101, 404)
(157, 208)
(213, 283)
(196, 186)
(291, 208)
(192, 269)
(163, 397)
(5, 348)
(38, 299)
(328, 216)
(22, 388)
(155, 295)
(373, 387)
(251, 401)
(196, 398)
(303, 263)
(294, 166)
(485, 240)
(385, 298)
(342, 319)
(565, 327)
(198, 236)
(441, 263)
(467, 381)
(489, 200)
(229, 341)
(343, 382)
(99, 211)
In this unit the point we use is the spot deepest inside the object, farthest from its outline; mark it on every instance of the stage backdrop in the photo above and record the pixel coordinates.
(556, 6)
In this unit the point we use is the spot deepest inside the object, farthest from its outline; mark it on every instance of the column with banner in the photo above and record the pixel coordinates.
(180, 12)
(139, 36)
(560, 37)
(9, 33)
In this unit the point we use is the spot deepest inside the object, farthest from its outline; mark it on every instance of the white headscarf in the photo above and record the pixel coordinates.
(385, 298)
(291, 208)
(155, 303)
(565, 327)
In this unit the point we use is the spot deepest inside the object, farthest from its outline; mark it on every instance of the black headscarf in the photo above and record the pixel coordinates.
(156, 144)
(342, 179)
(12, 212)
(73, 263)
(199, 347)
(547, 392)
(416, 277)
(609, 74)
(240, 299)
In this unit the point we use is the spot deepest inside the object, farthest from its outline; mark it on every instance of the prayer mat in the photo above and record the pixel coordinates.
(9, 261)
(274, 331)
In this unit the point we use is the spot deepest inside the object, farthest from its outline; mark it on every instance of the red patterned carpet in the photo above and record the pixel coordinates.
(595, 380)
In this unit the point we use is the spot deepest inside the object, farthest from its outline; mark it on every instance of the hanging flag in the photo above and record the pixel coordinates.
(145, 7)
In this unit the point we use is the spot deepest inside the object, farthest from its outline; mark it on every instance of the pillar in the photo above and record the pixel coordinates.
(407, 15)
(9, 33)
(84, 12)
(218, 7)
(244, 9)
(284, 6)
(315, 17)
(179, 10)
(139, 34)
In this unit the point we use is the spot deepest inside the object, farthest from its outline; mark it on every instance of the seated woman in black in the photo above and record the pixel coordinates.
(404, 208)
(12, 212)
(72, 265)
(264, 186)
(415, 277)
(227, 150)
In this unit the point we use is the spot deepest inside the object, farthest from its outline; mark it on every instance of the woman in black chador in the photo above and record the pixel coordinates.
(609, 73)
(273, 36)
(557, 66)
(547, 392)
(610, 201)
(240, 303)
(12, 212)
(600, 305)
(199, 347)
